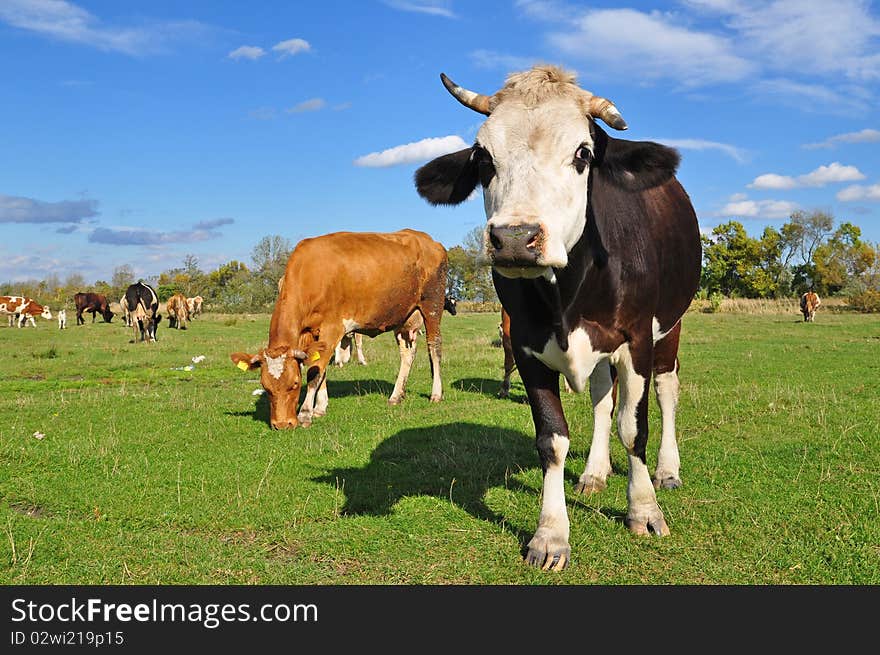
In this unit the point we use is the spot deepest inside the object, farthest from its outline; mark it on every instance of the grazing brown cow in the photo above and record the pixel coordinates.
(809, 304)
(93, 303)
(178, 311)
(362, 282)
(24, 308)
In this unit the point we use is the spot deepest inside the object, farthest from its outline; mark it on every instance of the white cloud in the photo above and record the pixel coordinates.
(759, 208)
(810, 37)
(738, 154)
(859, 192)
(813, 97)
(862, 136)
(773, 181)
(291, 47)
(251, 52)
(652, 46)
(412, 152)
(834, 172)
(65, 21)
(314, 104)
(431, 7)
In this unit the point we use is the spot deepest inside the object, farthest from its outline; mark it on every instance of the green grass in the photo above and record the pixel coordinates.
(151, 475)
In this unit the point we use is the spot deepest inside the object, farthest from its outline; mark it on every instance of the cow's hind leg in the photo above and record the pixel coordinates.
(406, 344)
(432, 336)
(359, 346)
(602, 388)
(666, 388)
(634, 363)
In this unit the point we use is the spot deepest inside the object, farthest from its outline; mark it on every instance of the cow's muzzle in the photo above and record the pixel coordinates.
(515, 245)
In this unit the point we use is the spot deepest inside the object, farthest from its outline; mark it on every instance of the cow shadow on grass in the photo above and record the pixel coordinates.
(489, 388)
(455, 462)
(340, 388)
(260, 413)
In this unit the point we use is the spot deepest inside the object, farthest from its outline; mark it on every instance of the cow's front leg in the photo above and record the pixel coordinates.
(633, 365)
(549, 547)
(315, 375)
(598, 468)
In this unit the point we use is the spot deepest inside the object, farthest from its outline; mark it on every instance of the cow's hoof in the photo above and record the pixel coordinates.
(503, 394)
(305, 420)
(319, 412)
(436, 399)
(548, 554)
(590, 484)
(641, 527)
(668, 482)
(395, 400)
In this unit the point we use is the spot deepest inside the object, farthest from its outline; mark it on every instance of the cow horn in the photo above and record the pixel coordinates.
(603, 108)
(476, 101)
(299, 354)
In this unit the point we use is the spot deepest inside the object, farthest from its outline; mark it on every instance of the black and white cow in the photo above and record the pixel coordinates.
(142, 305)
(595, 254)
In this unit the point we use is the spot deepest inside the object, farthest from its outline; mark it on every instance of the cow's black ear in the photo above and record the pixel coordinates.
(633, 165)
(448, 180)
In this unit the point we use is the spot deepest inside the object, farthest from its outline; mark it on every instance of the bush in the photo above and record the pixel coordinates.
(715, 300)
(865, 300)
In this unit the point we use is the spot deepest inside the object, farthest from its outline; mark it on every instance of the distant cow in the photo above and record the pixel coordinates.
(194, 305)
(93, 303)
(364, 282)
(62, 319)
(178, 311)
(142, 303)
(24, 308)
(411, 329)
(809, 304)
(126, 316)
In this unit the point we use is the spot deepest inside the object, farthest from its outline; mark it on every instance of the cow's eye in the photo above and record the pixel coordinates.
(582, 157)
(485, 166)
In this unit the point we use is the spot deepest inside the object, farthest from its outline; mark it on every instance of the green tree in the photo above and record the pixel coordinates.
(736, 264)
(842, 258)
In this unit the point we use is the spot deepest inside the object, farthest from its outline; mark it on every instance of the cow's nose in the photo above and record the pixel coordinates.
(516, 245)
(283, 424)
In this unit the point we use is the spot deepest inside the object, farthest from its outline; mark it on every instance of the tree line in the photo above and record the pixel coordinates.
(807, 253)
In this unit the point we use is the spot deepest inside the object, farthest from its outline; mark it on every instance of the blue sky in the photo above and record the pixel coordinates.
(137, 132)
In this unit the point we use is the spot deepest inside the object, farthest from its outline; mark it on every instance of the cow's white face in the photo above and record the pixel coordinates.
(534, 167)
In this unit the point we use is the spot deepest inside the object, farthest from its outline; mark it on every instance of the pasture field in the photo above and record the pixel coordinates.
(143, 473)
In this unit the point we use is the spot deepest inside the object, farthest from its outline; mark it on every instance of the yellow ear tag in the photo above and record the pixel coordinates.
(242, 365)
(316, 356)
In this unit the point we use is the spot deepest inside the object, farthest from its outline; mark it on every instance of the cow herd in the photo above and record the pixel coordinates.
(139, 306)
(595, 254)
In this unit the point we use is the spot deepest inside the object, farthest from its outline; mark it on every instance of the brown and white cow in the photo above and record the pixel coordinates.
(24, 308)
(362, 282)
(595, 254)
(93, 303)
(177, 309)
(809, 304)
(194, 305)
